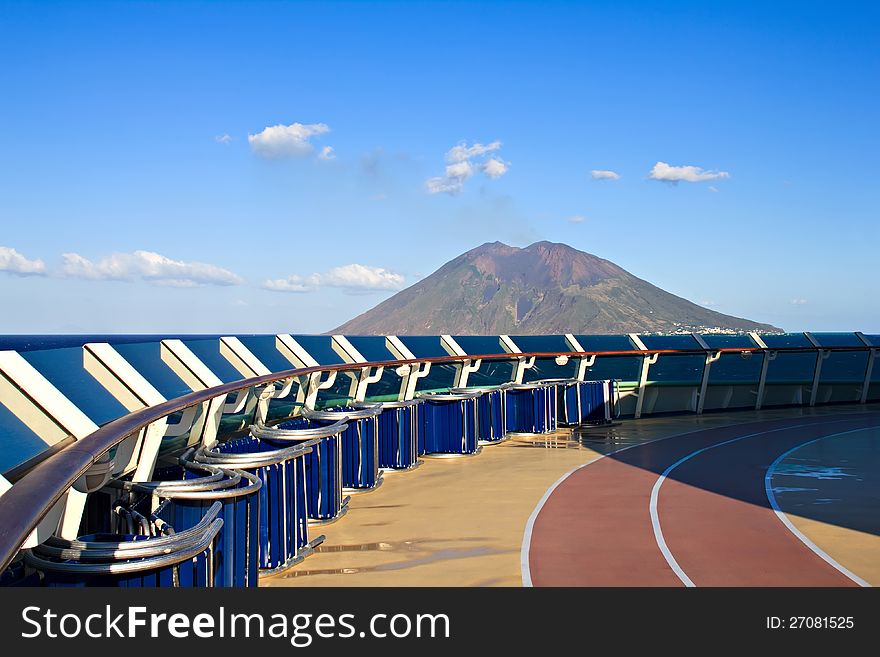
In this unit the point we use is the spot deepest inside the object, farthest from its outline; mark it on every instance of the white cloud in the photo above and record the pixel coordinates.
(453, 179)
(668, 173)
(604, 174)
(223, 139)
(707, 304)
(440, 184)
(351, 278)
(713, 188)
(13, 262)
(292, 283)
(362, 277)
(460, 170)
(148, 266)
(327, 153)
(577, 219)
(494, 168)
(462, 162)
(463, 152)
(283, 140)
(798, 302)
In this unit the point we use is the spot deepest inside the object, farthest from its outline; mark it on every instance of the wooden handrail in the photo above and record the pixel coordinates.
(24, 505)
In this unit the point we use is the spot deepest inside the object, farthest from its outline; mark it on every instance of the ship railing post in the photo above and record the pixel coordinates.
(647, 361)
(309, 385)
(195, 374)
(366, 375)
(869, 368)
(522, 363)
(41, 407)
(464, 368)
(248, 365)
(821, 355)
(585, 362)
(767, 355)
(134, 392)
(707, 367)
(416, 370)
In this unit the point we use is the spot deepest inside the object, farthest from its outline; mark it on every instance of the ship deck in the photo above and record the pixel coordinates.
(665, 501)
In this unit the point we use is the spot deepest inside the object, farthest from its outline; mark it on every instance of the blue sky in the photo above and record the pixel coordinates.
(140, 190)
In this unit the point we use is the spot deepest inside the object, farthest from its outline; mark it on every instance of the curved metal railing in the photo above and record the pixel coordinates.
(37, 490)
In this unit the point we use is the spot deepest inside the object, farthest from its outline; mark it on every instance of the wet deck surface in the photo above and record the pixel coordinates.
(461, 522)
(830, 490)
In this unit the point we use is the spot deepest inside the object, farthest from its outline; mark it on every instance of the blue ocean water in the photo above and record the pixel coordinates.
(37, 342)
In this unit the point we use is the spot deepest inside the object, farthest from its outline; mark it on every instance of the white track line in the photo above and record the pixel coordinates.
(655, 492)
(768, 487)
(530, 524)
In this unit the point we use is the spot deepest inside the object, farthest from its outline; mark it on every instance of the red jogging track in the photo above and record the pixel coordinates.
(595, 528)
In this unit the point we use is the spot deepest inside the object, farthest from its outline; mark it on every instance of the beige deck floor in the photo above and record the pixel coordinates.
(460, 522)
(859, 552)
(448, 522)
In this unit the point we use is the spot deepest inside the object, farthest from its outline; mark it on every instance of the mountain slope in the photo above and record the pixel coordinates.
(543, 288)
